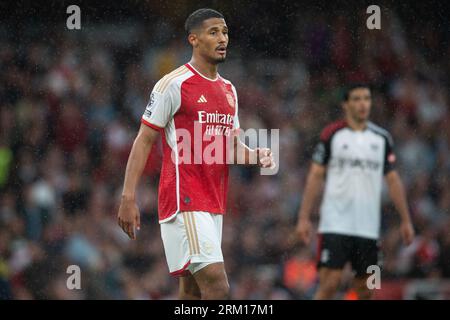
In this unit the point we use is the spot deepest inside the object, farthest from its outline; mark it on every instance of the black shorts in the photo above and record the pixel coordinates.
(335, 250)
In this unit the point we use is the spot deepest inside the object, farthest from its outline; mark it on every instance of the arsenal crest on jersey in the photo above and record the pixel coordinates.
(230, 99)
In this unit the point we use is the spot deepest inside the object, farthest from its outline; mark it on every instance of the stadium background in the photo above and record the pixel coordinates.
(70, 103)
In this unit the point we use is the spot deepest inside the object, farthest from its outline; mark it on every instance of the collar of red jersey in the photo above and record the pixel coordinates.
(201, 75)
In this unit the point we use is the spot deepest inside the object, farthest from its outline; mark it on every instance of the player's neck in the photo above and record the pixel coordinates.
(206, 69)
(356, 125)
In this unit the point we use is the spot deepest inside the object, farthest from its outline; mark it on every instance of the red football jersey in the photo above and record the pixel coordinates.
(195, 115)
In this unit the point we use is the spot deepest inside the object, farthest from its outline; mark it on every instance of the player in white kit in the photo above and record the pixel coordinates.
(352, 157)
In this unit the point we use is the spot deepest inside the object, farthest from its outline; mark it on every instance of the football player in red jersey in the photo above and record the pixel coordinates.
(192, 196)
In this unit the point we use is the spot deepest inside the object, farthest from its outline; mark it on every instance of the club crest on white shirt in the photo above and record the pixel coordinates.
(325, 256)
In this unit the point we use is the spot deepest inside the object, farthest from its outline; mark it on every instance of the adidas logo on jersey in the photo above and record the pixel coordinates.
(202, 99)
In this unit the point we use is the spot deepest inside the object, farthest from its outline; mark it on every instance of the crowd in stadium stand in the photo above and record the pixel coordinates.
(70, 109)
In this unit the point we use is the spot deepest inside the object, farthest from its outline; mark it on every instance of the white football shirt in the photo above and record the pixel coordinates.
(356, 163)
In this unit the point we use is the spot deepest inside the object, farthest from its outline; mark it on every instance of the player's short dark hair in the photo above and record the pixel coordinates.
(197, 17)
(348, 90)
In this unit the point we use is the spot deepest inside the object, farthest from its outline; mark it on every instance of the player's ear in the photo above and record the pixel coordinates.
(193, 40)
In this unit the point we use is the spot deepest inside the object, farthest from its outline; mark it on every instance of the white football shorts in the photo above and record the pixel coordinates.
(192, 241)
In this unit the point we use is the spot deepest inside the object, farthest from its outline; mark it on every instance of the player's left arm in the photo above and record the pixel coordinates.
(398, 196)
(397, 193)
(241, 153)
(247, 156)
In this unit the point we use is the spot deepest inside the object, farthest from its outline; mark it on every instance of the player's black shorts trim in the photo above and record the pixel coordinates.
(335, 250)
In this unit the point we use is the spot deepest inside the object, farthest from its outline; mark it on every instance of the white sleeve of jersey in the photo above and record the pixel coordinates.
(236, 124)
(163, 104)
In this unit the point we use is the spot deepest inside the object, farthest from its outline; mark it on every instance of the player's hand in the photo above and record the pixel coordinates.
(265, 157)
(303, 230)
(129, 218)
(407, 232)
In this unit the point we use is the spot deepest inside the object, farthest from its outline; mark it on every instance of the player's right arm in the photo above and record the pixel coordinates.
(314, 183)
(313, 187)
(129, 217)
(160, 109)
